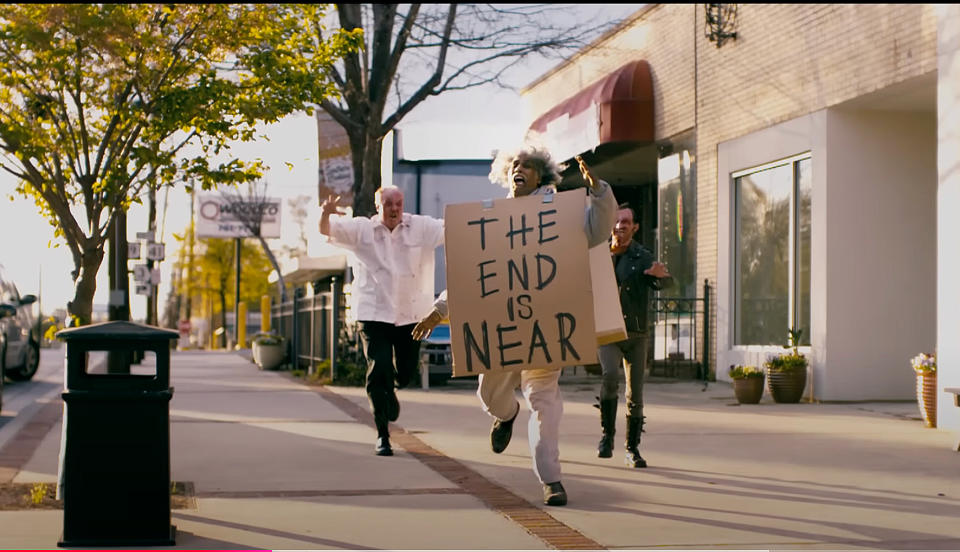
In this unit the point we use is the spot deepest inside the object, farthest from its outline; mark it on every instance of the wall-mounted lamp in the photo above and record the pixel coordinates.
(721, 22)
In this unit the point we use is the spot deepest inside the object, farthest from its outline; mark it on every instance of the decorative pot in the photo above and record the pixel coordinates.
(927, 397)
(748, 390)
(268, 357)
(787, 387)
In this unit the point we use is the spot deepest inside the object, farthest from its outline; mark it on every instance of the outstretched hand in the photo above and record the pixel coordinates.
(585, 172)
(658, 270)
(425, 327)
(330, 206)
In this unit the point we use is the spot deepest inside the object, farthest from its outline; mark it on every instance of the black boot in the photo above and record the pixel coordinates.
(608, 417)
(634, 427)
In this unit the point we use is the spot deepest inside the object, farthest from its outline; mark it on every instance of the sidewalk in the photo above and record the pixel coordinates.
(279, 465)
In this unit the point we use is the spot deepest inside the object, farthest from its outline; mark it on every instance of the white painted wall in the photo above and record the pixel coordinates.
(881, 251)
(804, 134)
(873, 247)
(948, 211)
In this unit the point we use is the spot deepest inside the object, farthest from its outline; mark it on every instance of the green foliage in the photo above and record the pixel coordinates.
(786, 363)
(268, 339)
(745, 372)
(350, 374)
(99, 102)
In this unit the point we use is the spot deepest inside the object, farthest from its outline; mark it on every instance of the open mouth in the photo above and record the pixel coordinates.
(519, 180)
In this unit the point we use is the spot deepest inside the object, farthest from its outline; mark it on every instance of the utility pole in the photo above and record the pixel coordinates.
(236, 294)
(152, 228)
(118, 362)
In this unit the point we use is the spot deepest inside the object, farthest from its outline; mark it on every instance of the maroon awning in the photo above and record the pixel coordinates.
(616, 108)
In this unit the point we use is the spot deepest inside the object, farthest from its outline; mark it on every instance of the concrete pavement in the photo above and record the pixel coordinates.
(276, 464)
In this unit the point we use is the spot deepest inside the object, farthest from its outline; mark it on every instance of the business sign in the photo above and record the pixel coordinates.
(518, 284)
(223, 217)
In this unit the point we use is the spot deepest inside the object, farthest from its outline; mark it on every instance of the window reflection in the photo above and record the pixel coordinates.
(772, 208)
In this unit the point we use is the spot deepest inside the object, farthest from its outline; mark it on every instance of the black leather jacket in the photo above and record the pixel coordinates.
(634, 286)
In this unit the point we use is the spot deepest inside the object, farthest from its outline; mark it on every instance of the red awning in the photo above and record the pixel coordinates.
(622, 109)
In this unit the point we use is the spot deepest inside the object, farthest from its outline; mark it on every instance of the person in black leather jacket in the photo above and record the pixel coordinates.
(637, 273)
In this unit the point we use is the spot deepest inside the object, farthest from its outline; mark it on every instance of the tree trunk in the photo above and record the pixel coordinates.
(365, 151)
(81, 307)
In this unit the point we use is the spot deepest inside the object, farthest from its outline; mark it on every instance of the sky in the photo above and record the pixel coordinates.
(435, 129)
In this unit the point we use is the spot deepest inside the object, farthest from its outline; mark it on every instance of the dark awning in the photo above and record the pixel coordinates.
(616, 108)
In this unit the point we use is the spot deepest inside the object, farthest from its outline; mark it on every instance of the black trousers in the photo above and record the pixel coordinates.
(382, 343)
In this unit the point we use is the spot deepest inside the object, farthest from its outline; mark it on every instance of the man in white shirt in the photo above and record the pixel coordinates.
(394, 287)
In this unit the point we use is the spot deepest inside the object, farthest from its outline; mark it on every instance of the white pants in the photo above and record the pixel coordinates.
(541, 389)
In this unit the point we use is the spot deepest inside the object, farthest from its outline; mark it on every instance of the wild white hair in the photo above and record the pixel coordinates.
(539, 158)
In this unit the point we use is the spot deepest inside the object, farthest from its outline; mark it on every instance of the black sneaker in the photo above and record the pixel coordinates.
(554, 494)
(501, 432)
(383, 447)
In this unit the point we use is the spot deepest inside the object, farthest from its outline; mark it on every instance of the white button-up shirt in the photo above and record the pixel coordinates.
(394, 282)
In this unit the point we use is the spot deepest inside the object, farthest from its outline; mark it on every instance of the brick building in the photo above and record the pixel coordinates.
(794, 168)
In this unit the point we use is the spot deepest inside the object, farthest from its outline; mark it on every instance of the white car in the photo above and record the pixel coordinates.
(19, 332)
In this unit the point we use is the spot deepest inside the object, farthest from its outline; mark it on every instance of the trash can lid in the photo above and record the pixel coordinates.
(119, 330)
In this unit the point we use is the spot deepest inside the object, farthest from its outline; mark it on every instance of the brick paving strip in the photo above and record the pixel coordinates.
(534, 520)
(21, 447)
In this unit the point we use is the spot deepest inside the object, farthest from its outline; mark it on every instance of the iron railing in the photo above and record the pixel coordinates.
(680, 340)
(313, 326)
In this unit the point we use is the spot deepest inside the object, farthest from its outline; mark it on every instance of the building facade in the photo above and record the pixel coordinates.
(803, 169)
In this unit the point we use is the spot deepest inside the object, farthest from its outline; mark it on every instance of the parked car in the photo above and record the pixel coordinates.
(19, 332)
(436, 354)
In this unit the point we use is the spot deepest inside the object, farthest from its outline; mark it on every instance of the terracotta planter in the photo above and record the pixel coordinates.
(927, 398)
(787, 387)
(748, 390)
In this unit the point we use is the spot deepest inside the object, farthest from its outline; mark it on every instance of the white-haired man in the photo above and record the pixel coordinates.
(394, 287)
(530, 171)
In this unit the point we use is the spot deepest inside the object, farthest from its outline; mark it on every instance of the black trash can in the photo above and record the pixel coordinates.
(116, 457)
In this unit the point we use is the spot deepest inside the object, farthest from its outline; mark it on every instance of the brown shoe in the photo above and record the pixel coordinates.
(554, 494)
(501, 432)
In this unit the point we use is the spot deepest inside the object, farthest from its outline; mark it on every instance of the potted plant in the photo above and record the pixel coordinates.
(268, 350)
(925, 367)
(747, 383)
(787, 373)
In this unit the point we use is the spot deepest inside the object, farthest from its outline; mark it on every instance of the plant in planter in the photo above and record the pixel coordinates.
(747, 383)
(268, 350)
(925, 367)
(787, 373)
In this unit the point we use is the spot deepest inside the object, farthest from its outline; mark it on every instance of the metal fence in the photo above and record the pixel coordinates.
(681, 337)
(312, 325)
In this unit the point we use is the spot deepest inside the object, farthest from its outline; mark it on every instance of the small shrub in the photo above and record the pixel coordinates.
(268, 339)
(745, 372)
(350, 374)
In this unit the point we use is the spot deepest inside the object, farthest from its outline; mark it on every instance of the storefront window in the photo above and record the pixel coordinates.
(677, 243)
(772, 264)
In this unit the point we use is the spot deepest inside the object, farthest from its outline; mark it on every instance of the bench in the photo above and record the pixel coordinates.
(956, 401)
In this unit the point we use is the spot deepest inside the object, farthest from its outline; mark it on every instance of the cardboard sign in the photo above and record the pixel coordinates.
(608, 316)
(518, 286)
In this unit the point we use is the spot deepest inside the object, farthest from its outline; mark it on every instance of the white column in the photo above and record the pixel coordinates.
(948, 206)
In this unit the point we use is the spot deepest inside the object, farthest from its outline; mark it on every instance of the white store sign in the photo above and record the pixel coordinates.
(220, 217)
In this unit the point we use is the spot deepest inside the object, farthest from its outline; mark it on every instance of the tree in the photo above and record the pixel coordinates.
(459, 45)
(97, 101)
(214, 277)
